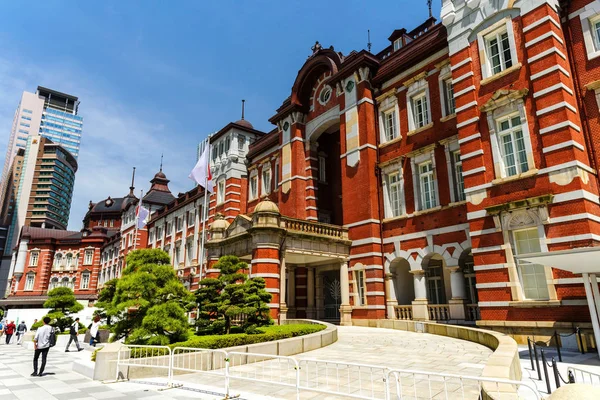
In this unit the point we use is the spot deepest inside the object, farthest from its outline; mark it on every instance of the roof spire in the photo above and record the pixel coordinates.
(132, 187)
(429, 5)
(161, 160)
(243, 106)
(369, 40)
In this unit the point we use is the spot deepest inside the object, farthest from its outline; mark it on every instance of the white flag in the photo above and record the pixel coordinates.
(201, 172)
(141, 214)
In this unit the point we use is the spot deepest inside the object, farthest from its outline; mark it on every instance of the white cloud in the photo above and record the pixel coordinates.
(116, 136)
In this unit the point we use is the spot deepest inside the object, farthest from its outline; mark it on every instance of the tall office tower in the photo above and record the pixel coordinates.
(11, 188)
(48, 113)
(43, 194)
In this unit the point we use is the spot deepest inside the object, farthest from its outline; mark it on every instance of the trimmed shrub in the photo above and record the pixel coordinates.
(264, 334)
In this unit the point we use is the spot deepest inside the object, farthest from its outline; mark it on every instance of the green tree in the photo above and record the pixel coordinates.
(222, 299)
(62, 304)
(149, 302)
(104, 304)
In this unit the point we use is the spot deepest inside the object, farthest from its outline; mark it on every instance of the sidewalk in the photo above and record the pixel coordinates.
(61, 383)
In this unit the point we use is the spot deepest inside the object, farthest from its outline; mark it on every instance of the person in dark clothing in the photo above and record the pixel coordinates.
(9, 330)
(21, 329)
(73, 331)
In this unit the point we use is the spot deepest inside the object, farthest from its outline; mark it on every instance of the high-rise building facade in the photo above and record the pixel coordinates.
(48, 113)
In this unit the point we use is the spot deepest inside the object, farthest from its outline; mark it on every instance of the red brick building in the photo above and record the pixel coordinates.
(406, 183)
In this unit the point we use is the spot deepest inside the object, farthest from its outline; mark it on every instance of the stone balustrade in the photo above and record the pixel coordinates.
(314, 228)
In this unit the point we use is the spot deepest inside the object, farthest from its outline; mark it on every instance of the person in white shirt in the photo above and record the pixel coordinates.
(73, 332)
(94, 327)
(41, 344)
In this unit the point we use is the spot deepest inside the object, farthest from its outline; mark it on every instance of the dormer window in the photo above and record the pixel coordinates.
(397, 44)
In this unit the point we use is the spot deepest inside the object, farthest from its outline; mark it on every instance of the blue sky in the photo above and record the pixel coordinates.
(157, 76)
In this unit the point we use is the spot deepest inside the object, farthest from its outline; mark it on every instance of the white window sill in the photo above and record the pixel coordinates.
(389, 142)
(427, 211)
(457, 203)
(398, 218)
(593, 54)
(448, 117)
(419, 130)
(534, 303)
(501, 74)
(500, 181)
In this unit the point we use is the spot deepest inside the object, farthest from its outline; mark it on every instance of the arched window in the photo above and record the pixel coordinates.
(65, 282)
(69, 260)
(57, 260)
(53, 283)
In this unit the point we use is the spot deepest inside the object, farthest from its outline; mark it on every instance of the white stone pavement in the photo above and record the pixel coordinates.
(379, 347)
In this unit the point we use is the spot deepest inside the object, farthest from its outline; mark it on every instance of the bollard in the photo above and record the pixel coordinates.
(580, 340)
(556, 373)
(530, 356)
(571, 377)
(557, 338)
(537, 362)
(546, 372)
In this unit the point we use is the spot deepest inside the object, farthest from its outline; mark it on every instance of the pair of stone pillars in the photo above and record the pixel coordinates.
(311, 310)
(420, 311)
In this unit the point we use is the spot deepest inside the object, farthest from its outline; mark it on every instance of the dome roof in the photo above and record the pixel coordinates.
(160, 175)
(266, 206)
(244, 123)
(220, 223)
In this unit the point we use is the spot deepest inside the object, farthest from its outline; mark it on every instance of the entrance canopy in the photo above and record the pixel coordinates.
(585, 261)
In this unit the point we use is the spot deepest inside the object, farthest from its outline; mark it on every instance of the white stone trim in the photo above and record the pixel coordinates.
(461, 63)
(312, 208)
(553, 88)
(360, 267)
(471, 154)
(467, 122)
(575, 195)
(572, 238)
(566, 165)
(476, 215)
(568, 143)
(488, 267)
(422, 234)
(492, 285)
(375, 293)
(544, 37)
(463, 77)
(365, 255)
(370, 240)
(556, 107)
(494, 304)
(266, 260)
(359, 148)
(465, 90)
(545, 53)
(487, 249)
(371, 280)
(559, 126)
(473, 171)
(574, 217)
(265, 275)
(466, 106)
(540, 22)
(478, 188)
(549, 71)
(363, 222)
(469, 138)
(484, 232)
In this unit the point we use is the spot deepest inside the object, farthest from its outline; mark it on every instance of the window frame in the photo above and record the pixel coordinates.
(266, 189)
(512, 132)
(536, 275)
(85, 257)
(253, 190)
(495, 31)
(422, 99)
(457, 175)
(221, 191)
(85, 281)
(29, 286)
(390, 120)
(34, 258)
(322, 168)
(360, 284)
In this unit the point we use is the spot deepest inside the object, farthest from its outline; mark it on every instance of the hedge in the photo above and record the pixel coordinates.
(268, 334)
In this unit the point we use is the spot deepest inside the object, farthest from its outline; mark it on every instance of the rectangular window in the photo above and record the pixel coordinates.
(459, 181)
(23, 131)
(512, 146)
(597, 34)
(25, 117)
(397, 44)
(35, 255)
(85, 280)
(26, 111)
(29, 282)
(395, 193)
(533, 276)
(151, 236)
(322, 169)
(221, 192)
(266, 181)
(391, 130)
(177, 254)
(24, 124)
(498, 51)
(88, 257)
(361, 288)
(227, 144)
(241, 143)
(427, 185)
(276, 182)
(449, 97)
(420, 110)
(179, 224)
(190, 252)
(191, 218)
(253, 187)
(201, 215)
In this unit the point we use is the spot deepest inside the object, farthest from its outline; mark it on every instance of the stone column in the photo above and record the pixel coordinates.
(390, 295)
(419, 304)
(345, 308)
(459, 294)
(291, 313)
(310, 293)
(282, 289)
(319, 296)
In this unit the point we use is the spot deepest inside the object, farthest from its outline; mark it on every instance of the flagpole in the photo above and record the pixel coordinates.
(204, 218)
(135, 235)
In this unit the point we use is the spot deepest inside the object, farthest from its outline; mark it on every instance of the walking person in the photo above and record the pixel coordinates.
(2, 323)
(41, 344)
(94, 328)
(9, 330)
(73, 332)
(21, 329)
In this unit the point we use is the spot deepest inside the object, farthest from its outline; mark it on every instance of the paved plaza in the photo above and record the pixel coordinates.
(379, 347)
